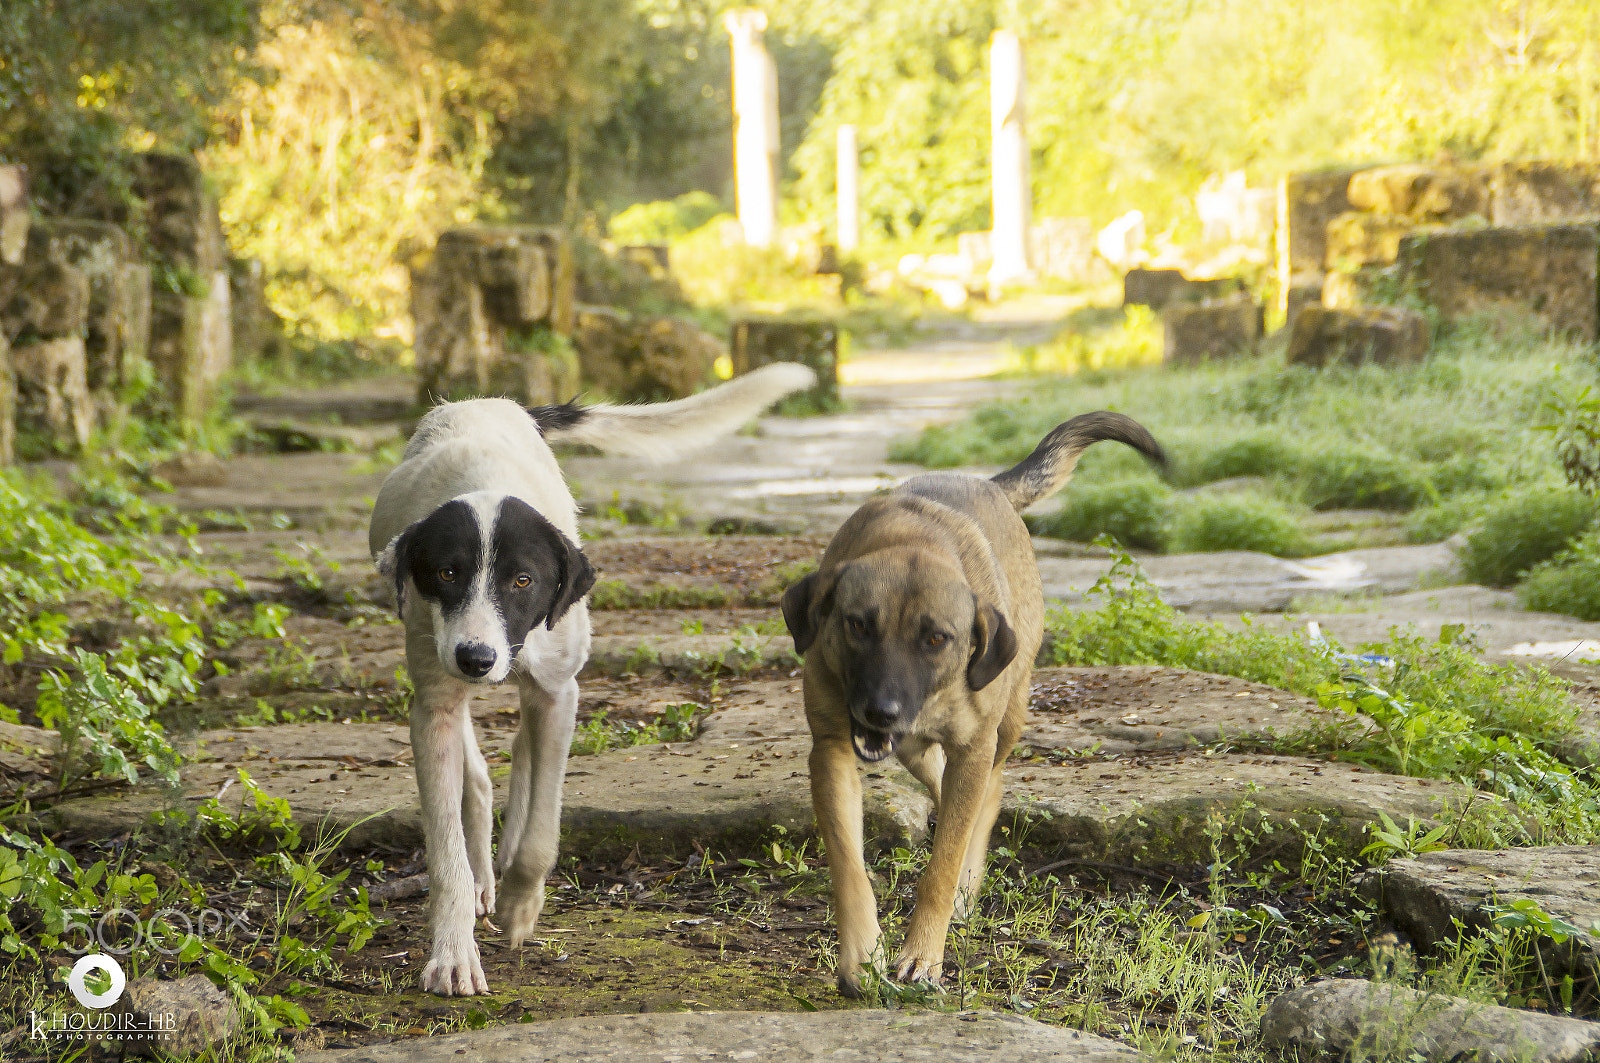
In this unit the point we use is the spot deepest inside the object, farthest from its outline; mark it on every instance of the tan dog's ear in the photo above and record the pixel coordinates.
(994, 645)
(804, 605)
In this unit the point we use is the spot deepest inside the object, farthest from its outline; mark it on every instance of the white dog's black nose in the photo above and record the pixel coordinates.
(474, 659)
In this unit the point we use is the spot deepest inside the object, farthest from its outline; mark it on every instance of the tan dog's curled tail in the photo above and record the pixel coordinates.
(662, 431)
(1049, 467)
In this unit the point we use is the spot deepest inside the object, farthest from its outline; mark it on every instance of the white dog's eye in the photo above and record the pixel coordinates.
(523, 579)
(447, 574)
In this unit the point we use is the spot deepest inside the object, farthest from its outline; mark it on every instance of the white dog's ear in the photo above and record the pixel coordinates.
(392, 566)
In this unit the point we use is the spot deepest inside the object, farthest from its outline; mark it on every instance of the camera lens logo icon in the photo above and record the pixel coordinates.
(96, 962)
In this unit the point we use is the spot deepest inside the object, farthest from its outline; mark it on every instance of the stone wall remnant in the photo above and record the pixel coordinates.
(642, 359)
(1384, 335)
(1210, 329)
(1306, 203)
(1159, 288)
(53, 399)
(1531, 193)
(1546, 273)
(1422, 193)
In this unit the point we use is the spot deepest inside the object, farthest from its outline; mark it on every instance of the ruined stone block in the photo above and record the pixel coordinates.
(191, 345)
(53, 398)
(1306, 203)
(657, 258)
(1422, 193)
(1063, 248)
(1303, 291)
(1545, 273)
(1357, 239)
(1385, 335)
(1158, 288)
(1348, 289)
(14, 218)
(180, 213)
(1532, 193)
(758, 342)
(644, 359)
(1214, 328)
(8, 404)
(43, 298)
(117, 315)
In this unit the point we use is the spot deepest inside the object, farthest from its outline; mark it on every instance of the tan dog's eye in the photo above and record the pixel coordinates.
(857, 626)
(523, 579)
(447, 574)
(937, 639)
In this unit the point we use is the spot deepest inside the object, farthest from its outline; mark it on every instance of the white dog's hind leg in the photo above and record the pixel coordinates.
(477, 817)
(437, 734)
(538, 768)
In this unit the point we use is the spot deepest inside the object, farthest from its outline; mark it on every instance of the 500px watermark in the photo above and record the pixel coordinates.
(97, 939)
(118, 931)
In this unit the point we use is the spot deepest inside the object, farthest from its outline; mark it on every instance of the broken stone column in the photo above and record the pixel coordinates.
(191, 333)
(8, 404)
(44, 312)
(643, 360)
(849, 190)
(1545, 274)
(1012, 195)
(53, 399)
(1159, 288)
(479, 309)
(1306, 203)
(755, 126)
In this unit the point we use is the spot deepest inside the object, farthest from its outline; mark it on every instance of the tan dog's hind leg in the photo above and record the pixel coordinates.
(836, 796)
(532, 832)
(966, 785)
(437, 740)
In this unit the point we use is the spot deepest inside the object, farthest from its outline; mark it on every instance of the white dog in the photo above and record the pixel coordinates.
(479, 533)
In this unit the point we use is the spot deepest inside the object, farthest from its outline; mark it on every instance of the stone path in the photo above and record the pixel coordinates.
(875, 1036)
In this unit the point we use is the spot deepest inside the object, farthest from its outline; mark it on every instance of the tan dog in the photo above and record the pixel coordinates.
(920, 629)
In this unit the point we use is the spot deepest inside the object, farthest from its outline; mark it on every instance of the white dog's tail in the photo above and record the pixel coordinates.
(665, 430)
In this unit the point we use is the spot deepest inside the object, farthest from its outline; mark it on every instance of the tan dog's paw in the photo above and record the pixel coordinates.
(519, 907)
(911, 968)
(455, 970)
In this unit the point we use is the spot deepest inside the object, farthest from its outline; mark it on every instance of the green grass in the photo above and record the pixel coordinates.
(1523, 530)
(1435, 440)
(1221, 522)
(1568, 582)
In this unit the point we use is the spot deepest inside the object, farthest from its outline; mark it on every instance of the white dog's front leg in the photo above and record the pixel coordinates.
(438, 740)
(477, 817)
(532, 832)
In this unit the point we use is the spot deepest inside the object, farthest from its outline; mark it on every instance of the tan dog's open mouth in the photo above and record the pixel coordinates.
(871, 746)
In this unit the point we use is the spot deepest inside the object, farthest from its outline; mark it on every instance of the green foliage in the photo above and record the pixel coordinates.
(102, 720)
(1134, 512)
(665, 220)
(1416, 839)
(1568, 582)
(1221, 522)
(1256, 454)
(1522, 530)
(1357, 479)
(678, 723)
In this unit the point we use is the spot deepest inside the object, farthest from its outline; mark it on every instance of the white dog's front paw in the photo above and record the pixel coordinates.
(455, 970)
(520, 904)
(483, 898)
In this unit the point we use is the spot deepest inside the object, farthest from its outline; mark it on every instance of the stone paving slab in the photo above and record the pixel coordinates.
(868, 1036)
(1239, 581)
(1427, 895)
(1162, 805)
(1344, 1017)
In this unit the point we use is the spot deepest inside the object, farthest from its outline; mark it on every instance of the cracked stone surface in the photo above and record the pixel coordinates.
(876, 1036)
(1425, 896)
(1344, 1017)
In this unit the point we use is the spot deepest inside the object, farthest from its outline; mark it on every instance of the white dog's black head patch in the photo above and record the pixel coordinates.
(493, 569)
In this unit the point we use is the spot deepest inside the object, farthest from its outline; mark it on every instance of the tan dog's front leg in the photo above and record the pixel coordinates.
(836, 798)
(966, 785)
